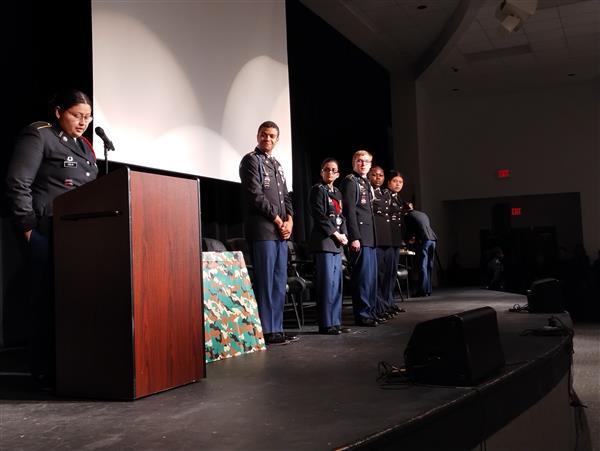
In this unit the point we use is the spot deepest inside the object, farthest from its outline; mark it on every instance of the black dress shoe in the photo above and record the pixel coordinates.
(290, 337)
(366, 322)
(276, 338)
(343, 330)
(329, 330)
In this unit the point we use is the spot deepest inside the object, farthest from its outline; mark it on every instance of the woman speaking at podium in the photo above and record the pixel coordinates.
(49, 159)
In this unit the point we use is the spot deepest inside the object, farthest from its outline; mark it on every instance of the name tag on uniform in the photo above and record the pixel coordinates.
(69, 163)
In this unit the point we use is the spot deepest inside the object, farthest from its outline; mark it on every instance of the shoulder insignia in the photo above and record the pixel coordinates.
(40, 124)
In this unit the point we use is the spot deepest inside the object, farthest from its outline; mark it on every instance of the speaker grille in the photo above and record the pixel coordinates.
(461, 349)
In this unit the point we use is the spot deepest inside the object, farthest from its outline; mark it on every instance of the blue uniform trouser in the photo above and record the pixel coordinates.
(387, 271)
(426, 253)
(364, 282)
(328, 288)
(269, 261)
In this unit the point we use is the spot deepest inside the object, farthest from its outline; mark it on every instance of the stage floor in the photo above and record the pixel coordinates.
(320, 392)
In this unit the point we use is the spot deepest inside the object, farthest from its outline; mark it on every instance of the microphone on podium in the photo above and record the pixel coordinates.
(108, 145)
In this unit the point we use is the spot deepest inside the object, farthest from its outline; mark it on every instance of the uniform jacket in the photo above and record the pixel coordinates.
(417, 225)
(396, 219)
(326, 219)
(357, 198)
(46, 163)
(381, 211)
(266, 193)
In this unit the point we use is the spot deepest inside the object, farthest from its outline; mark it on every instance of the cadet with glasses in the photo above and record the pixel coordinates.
(358, 199)
(327, 238)
(49, 159)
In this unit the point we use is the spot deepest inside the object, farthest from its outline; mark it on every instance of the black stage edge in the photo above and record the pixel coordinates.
(318, 393)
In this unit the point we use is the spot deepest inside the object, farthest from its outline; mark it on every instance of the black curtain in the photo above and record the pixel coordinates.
(340, 103)
(46, 46)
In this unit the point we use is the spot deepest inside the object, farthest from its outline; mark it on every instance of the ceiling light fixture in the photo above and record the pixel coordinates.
(512, 13)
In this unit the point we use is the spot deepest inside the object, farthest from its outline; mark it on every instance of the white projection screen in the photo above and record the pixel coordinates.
(183, 85)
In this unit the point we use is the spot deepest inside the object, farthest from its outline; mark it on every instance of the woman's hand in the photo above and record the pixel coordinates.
(341, 238)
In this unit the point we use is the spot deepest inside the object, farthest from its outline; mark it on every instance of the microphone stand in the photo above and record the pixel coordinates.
(108, 145)
(105, 159)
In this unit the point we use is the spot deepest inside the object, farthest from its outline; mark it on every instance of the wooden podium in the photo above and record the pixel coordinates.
(128, 284)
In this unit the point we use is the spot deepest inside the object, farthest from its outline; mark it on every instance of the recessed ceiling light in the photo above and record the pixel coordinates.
(571, 74)
(422, 7)
(455, 89)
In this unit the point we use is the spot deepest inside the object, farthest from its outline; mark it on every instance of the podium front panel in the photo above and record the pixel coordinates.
(166, 257)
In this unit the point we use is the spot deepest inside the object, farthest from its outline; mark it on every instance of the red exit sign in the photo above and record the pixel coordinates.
(515, 211)
(503, 173)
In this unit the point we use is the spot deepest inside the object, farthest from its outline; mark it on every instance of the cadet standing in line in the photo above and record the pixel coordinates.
(395, 184)
(328, 236)
(268, 227)
(357, 198)
(386, 262)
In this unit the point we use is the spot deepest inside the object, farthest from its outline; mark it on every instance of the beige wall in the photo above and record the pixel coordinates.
(548, 137)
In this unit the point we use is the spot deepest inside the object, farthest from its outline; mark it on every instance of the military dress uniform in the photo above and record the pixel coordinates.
(396, 224)
(396, 214)
(326, 211)
(267, 196)
(46, 163)
(357, 199)
(387, 260)
(417, 225)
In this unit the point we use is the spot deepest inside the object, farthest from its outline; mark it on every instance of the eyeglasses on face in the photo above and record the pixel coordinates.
(81, 117)
(363, 161)
(332, 170)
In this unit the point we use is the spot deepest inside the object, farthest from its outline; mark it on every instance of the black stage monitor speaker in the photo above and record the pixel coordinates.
(545, 296)
(461, 349)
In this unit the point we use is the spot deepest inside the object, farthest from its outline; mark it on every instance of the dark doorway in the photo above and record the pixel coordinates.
(527, 254)
(538, 235)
